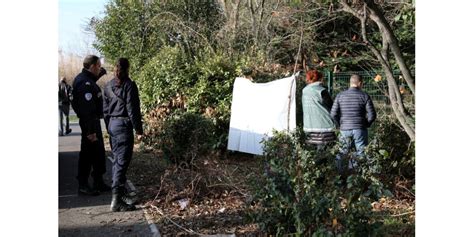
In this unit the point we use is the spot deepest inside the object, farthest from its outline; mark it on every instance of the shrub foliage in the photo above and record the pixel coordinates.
(303, 193)
(186, 136)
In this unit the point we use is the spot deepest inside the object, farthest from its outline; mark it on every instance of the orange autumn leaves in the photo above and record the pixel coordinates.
(378, 78)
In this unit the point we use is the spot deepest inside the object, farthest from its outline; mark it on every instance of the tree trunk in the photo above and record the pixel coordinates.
(396, 101)
(235, 8)
(231, 11)
(395, 98)
(377, 16)
(397, 105)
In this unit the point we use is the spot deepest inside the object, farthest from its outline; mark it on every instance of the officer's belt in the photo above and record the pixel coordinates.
(122, 118)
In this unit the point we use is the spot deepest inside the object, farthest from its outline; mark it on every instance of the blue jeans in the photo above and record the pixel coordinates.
(358, 137)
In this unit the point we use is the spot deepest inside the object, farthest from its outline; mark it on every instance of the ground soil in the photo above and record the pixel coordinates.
(212, 197)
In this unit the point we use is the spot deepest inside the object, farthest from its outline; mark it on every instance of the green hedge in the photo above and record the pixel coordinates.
(303, 193)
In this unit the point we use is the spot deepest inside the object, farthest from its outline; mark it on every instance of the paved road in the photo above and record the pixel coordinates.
(90, 216)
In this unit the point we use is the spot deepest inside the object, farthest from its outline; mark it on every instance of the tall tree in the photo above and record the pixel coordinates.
(366, 10)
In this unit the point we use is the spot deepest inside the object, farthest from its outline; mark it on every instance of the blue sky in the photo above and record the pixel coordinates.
(73, 15)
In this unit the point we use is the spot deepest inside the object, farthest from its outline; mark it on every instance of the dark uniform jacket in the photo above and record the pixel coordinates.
(87, 101)
(353, 109)
(123, 102)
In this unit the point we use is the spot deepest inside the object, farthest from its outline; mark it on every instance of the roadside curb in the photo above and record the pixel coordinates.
(153, 228)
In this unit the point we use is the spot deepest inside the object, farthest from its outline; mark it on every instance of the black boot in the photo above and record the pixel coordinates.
(118, 205)
(129, 199)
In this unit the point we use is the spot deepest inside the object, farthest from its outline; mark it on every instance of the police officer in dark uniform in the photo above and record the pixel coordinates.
(122, 115)
(87, 103)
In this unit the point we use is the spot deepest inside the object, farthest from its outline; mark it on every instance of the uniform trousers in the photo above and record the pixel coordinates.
(121, 137)
(92, 154)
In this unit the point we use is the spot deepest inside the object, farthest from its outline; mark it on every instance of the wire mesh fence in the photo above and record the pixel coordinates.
(374, 84)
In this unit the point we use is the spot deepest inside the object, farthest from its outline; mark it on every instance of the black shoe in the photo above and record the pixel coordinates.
(101, 187)
(68, 131)
(118, 205)
(86, 190)
(129, 199)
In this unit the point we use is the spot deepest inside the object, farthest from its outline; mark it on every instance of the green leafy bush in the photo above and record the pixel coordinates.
(212, 93)
(203, 86)
(125, 31)
(392, 149)
(303, 193)
(392, 154)
(164, 76)
(185, 137)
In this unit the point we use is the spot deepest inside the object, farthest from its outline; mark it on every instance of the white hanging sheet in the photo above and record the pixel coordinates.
(257, 109)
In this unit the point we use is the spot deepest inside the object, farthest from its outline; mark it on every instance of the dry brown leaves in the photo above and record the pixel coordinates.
(210, 198)
(395, 208)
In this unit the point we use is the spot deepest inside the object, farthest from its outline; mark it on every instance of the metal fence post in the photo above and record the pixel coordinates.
(330, 83)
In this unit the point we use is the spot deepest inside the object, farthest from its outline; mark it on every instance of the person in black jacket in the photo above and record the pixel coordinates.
(354, 110)
(122, 115)
(64, 94)
(87, 103)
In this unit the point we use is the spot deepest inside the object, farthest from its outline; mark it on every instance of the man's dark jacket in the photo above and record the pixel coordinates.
(87, 101)
(353, 109)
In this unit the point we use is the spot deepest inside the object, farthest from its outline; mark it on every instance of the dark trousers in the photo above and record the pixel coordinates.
(63, 114)
(92, 155)
(121, 134)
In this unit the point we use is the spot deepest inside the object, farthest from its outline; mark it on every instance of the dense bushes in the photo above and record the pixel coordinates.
(170, 83)
(303, 192)
(399, 158)
(391, 147)
(162, 78)
(186, 136)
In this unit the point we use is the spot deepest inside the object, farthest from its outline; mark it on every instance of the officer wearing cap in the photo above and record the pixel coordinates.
(87, 103)
(122, 115)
